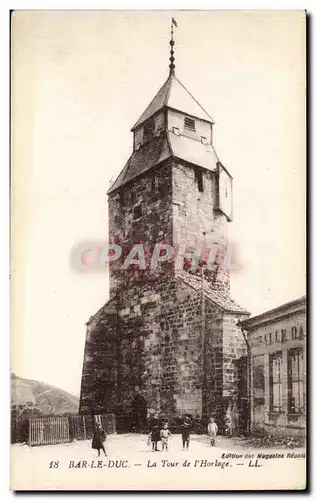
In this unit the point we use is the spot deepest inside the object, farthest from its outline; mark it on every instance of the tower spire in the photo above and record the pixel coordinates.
(171, 43)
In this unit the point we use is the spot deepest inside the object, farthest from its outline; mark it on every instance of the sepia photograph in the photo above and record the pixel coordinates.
(158, 250)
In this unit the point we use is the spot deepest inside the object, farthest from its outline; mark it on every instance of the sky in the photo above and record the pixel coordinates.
(80, 80)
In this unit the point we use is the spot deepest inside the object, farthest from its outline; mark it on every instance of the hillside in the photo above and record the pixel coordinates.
(46, 399)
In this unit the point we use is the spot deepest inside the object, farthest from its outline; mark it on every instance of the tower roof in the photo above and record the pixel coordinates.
(161, 148)
(220, 298)
(173, 94)
(165, 145)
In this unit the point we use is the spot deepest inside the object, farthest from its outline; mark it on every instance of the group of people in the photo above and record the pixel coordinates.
(159, 432)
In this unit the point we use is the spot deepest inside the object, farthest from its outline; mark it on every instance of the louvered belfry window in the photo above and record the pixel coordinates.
(189, 123)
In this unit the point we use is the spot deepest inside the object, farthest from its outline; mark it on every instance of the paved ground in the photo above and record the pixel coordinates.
(131, 465)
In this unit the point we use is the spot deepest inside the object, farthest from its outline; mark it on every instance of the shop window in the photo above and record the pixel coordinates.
(275, 369)
(258, 380)
(295, 380)
(294, 333)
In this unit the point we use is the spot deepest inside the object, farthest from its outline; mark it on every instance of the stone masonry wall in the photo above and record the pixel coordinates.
(99, 375)
(214, 359)
(173, 211)
(167, 336)
(234, 347)
(195, 222)
(150, 333)
(156, 343)
(225, 346)
(152, 193)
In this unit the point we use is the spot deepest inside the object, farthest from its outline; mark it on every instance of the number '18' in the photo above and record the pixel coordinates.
(54, 464)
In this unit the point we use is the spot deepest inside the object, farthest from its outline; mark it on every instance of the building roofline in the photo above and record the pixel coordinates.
(100, 309)
(277, 313)
(157, 166)
(160, 110)
(165, 103)
(227, 309)
(197, 102)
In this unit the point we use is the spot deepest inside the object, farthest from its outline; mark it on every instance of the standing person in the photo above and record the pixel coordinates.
(164, 436)
(185, 432)
(98, 438)
(212, 431)
(155, 433)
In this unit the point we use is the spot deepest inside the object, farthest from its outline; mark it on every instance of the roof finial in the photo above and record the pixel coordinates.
(172, 65)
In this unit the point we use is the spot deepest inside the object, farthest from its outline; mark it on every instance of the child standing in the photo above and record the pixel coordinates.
(212, 431)
(164, 435)
(185, 432)
(154, 435)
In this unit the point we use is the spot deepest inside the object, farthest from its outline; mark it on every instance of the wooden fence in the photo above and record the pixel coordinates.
(48, 430)
(56, 430)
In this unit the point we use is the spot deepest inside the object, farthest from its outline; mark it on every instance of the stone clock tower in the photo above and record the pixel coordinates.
(170, 331)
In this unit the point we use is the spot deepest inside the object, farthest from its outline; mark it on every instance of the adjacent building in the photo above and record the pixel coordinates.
(277, 366)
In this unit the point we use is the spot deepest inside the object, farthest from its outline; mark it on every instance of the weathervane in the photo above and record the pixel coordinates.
(172, 59)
